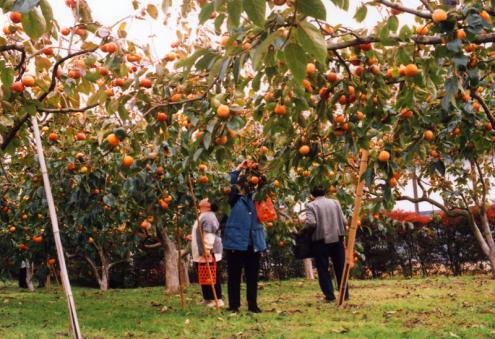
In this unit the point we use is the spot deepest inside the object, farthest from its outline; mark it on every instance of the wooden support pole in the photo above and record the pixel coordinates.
(179, 259)
(76, 331)
(217, 305)
(351, 237)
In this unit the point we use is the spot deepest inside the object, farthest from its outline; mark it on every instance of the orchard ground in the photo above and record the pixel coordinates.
(416, 308)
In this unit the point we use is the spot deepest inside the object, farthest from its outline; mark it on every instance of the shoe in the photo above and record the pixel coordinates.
(255, 309)
(233, 309)
(330, 300)
(213, 304)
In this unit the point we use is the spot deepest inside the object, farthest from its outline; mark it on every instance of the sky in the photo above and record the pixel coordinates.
(153, 32)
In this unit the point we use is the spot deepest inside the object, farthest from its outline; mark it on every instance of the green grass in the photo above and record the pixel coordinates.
(417, 308)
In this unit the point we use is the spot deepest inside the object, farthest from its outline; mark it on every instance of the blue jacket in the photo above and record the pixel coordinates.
(242, 222)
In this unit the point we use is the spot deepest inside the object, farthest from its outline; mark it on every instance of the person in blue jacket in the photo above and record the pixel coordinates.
(244, 240)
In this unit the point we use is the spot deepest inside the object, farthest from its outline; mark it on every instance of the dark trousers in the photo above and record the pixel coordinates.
(207, 290)
(336, 252)
(236, 262)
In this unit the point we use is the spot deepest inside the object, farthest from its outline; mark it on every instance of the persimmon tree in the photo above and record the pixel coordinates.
(268, 80)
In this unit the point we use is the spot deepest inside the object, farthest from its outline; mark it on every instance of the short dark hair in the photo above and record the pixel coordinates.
(318, 191)
(213, 206)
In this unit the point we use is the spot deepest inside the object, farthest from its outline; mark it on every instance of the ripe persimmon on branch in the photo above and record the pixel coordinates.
(18, 125)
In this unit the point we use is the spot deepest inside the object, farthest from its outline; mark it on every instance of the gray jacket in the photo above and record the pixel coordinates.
(325, 216)
(211, 230)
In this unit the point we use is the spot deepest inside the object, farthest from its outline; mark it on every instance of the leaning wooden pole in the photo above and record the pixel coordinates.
(351, 237)
(179, 259)
(56, 232)
(217, 305)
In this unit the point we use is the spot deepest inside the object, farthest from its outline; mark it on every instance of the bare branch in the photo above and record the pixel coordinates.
(402, 8)
(117, 262)
(342, 61)
(418, 39)
(94, 267)
(155, 245)
(483, 184)
(17, 48)
(66, 110)
(485, 107)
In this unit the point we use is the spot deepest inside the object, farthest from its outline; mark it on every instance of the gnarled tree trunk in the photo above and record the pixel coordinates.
(308, 269)
(29, 275)
(170, 262)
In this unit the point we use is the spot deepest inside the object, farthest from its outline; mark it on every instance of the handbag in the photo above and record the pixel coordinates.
(303, 246)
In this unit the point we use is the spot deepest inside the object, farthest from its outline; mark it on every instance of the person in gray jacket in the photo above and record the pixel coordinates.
(326, 221)
(210, 226)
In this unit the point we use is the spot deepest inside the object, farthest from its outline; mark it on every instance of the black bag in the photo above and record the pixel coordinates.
(303, 247)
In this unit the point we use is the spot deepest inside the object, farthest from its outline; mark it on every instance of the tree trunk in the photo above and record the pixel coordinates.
(485, 237)
(308, 269)
(184, 272)
(170, 257)
(103, 277)
(29, 275)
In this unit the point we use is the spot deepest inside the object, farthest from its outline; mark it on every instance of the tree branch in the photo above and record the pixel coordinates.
(17, 48)
(485, 107)
(155, 245)
(418, 39)
(66, 110)
(482, 179)
(424, 199)
(342, 61)
(117, 262)
(94, 267)
(399, 7)
(12, 133)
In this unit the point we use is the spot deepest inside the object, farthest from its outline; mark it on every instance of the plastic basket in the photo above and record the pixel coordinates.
(204, 275)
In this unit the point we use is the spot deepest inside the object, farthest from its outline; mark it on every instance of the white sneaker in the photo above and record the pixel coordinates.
(213, 304)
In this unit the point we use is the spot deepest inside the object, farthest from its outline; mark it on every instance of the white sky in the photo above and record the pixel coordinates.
(153, 32)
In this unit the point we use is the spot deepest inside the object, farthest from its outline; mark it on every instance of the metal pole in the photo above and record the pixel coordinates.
(56, 232)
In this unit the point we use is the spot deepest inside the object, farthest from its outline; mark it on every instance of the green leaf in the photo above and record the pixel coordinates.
(311, 39)
(393, 23)
(405, 33)
(189, 62)
(207, 140)
(256, 10)
(314, 8)
(197, 154)
(6, 75)
(296, 61)
(234, 9)
(152, 11)
(166, 4)
(262, 50)
(47, 11)
(361, 13)
(205, 13)
(344, 4)
(34, 23)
